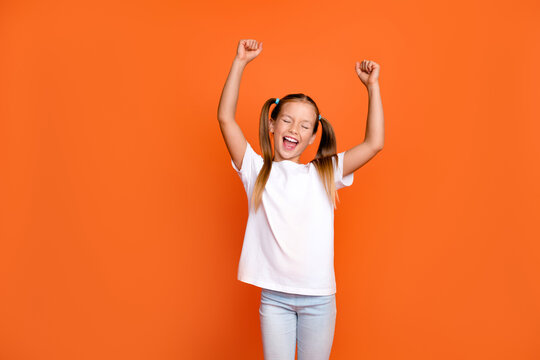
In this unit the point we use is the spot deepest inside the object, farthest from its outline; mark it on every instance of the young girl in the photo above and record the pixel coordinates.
(288, 248)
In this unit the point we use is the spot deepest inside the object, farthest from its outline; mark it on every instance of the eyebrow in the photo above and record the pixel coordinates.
(292, 117)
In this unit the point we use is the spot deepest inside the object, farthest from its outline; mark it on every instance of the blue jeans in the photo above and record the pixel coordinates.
(287, 318)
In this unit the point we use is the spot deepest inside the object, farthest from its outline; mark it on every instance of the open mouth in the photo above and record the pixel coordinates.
(289, 143)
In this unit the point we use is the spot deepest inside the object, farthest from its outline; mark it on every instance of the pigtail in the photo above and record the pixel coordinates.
(324, 160)
(266, 148)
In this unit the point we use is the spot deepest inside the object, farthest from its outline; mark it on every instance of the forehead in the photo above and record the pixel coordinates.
(298, 110)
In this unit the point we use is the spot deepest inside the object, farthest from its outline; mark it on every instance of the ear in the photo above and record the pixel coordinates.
(270, 125)
(312, 139)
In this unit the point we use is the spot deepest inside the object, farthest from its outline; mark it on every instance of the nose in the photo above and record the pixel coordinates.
(293, 129)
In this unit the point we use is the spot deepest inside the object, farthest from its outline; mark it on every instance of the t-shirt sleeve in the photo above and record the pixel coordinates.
(341, 181)
(251, 165)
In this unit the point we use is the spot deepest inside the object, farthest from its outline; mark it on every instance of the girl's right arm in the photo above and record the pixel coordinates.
(232, 134)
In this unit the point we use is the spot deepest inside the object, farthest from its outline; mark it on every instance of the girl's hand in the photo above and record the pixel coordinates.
(368, 72)
(248, 50)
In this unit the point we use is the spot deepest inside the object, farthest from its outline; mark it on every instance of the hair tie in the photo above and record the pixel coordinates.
(277, 100)
(319, 116)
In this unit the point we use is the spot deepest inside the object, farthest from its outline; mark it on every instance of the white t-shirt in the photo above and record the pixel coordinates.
(289, 242)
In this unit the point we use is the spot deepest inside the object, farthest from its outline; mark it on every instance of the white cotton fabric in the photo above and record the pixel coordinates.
(289, 242)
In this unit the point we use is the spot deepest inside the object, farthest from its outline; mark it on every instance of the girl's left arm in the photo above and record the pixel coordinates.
(356, 157)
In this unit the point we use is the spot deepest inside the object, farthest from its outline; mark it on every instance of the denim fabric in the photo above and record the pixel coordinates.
(290, 318)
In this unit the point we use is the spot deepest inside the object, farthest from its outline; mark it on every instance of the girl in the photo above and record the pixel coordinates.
(288, 248)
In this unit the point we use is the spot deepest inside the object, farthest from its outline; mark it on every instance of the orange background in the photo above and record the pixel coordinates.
(122, 218)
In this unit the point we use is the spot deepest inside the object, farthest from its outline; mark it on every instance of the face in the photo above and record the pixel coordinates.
(296, 121)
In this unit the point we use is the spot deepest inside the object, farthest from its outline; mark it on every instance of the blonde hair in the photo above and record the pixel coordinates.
(323, 160)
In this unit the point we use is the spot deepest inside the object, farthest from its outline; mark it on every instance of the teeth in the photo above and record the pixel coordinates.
(291, 139)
